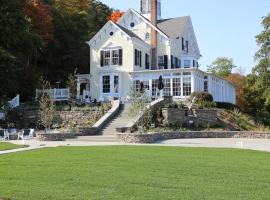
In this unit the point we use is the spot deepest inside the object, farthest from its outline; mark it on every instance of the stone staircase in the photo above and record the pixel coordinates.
(108, 133)
(119, 120)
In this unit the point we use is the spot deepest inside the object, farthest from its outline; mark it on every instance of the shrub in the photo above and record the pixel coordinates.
(174, 105)
(201, 96)
(205, 104)
(225, 105)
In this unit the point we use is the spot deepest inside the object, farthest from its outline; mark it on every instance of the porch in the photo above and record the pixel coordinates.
(56, 94)
(83, 87)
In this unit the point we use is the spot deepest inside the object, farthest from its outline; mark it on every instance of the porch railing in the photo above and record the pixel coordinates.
(56, 94)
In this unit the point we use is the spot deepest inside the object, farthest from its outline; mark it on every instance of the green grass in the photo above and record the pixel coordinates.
(131, 172)
(8, 146)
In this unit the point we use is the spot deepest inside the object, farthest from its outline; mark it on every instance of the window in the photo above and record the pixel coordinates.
(155, 87)
(111, 33)
(132, 24)
(186, 63)
(186, 73)
(107, 58)
(138, 58)
(147, 61)
(160, 62)
(111, 57)
(163, 62)
(176, 86)
(116, 84)
(147, 36)
(115, 57)
(205, 86)
(137, 85)
(185, 45)
(167, 87)
(106, 84)
(186, 86)
(146, 84)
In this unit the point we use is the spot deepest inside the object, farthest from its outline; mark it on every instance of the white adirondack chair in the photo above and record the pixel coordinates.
(26, 134)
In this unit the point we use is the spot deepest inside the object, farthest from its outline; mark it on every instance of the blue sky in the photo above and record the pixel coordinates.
(223, 27)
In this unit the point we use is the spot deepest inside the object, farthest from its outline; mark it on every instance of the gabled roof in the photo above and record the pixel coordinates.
(128, 32)
(173, 27)
(145, 20)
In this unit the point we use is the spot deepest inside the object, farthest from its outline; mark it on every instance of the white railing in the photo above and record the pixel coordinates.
(15, 102)
(56, 94)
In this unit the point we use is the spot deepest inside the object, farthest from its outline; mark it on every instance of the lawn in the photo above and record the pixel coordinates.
(8, 146)
(131, 172)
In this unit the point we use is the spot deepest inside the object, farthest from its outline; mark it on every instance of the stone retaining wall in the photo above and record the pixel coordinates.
(174, 115)
(154, 137)
(53, 136)
(200, 118)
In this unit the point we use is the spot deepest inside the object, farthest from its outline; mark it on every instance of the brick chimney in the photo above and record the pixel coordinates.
(154, 7)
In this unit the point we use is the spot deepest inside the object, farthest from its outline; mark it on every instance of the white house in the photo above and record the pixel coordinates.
(141, 47)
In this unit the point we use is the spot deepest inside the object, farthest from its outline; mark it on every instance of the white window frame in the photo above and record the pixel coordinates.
(108, 61)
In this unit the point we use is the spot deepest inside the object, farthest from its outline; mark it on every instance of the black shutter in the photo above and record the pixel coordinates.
(193, 63)
(187, 46)
(172, 66)
(120, 57)
(140, 54)
(101, 58)
(165, 62)
(136, 55)
(176, 63)
(180, 63)
(183, 44)
(146, 61)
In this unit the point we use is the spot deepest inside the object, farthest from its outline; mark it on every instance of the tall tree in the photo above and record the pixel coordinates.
(17, 43)
(222, 67)
(258, 82)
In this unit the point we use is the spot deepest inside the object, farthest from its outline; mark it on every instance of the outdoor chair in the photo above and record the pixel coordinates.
(26, 134)
(4, 135)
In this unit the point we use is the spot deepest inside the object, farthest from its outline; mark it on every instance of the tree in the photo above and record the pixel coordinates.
(239, 81)
(17, 43)
(222, 67)
(72, 84)
(116, 16)
(257, 90)
(46, 106)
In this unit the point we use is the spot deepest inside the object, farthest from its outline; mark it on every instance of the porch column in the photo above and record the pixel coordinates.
(78, 89)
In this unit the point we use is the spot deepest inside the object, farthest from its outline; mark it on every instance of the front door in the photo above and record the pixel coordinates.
(110, 87)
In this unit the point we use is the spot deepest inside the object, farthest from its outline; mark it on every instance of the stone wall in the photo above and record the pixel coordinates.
(174, 115)
(53, 136)
(62, 119)
(200, 117)
(205, 117)
(154, 137)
